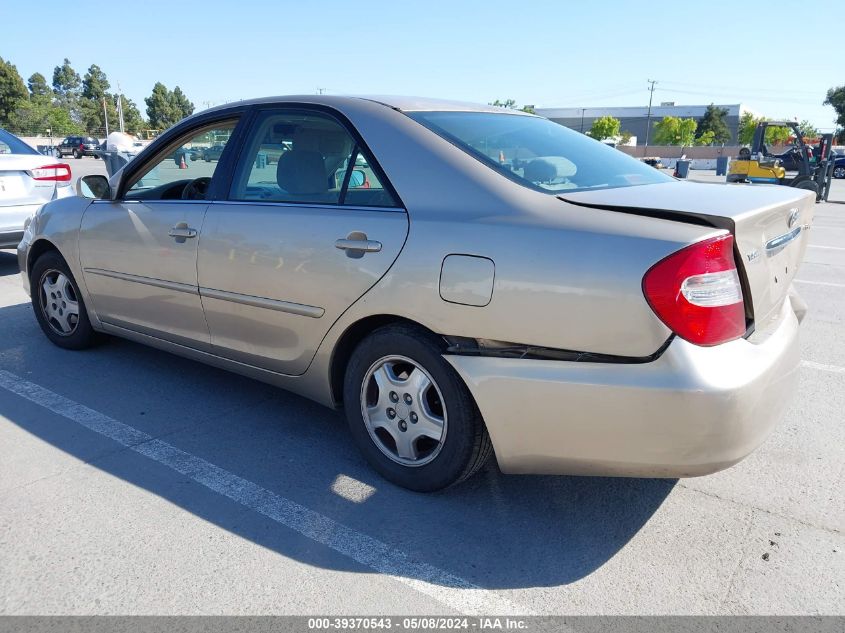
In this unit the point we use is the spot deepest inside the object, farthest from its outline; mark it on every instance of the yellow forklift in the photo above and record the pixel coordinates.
(755, 164)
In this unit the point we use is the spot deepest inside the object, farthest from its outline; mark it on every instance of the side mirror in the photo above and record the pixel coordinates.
(93, 186)
(357, 179)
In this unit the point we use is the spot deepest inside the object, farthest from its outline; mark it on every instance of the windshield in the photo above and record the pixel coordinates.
(537, 153)
(11, 144)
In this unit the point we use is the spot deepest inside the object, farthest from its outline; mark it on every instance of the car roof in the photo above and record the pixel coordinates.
(403, 104)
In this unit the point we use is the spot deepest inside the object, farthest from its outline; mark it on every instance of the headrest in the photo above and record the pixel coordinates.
(302, 172)
(549, 168)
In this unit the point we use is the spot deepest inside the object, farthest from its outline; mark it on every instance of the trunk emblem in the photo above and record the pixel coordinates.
(793, 217)
(753, 255)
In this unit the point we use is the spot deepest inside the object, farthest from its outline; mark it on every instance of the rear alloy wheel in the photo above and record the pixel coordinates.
(839, 172)
(409, 412)
(403, 411)
(77, 154)
(58, 304)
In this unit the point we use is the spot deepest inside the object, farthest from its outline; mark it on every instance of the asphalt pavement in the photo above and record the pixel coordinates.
(136, 482)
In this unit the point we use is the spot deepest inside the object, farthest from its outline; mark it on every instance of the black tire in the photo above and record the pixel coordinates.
(809, 185)
(57, 152)
(83, 335)
(76, 154)
(839, 172)
(466, 446)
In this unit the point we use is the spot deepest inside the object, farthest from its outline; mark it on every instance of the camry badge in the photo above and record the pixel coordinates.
(793, 217)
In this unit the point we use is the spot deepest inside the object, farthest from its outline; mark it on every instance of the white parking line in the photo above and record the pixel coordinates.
(448, 589)
(822, 367)
(819, 283)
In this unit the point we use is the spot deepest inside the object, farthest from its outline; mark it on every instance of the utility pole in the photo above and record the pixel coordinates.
(120, 107)
(106, 116)
(648, 116)
(582, 120)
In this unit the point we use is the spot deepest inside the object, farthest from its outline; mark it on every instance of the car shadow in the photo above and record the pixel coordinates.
(496, 531)
(8, 263)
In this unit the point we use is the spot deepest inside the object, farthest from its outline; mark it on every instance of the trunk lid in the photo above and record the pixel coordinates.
(17, 187)
(769, 225)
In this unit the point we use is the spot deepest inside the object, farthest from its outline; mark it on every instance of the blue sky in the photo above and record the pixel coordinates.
(545, 53)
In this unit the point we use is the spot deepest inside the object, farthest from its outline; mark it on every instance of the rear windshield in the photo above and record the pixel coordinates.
(537, 153)
(11, 144)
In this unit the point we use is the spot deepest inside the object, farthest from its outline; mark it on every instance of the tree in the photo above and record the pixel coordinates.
(507, 103)
(95, 85)
(160, 109)
(747, 125)
(625, 137)
(672, 130)
(511, 105)
(12, 91)
(66, 80)
(777, 135)
(605, 127)
(714, 121)
(38, 88)
(808, 130)
(706, 139)
(35, 116)
(836, 98)
(132, 120)
(181, 104)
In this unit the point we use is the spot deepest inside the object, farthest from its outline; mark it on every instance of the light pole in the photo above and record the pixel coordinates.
(582, 120)
(648, 116)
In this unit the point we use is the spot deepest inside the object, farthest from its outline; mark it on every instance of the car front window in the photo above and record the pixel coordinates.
(194, 157)
(537, 153)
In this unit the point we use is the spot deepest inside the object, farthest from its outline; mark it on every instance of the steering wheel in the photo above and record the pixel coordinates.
(196, 189)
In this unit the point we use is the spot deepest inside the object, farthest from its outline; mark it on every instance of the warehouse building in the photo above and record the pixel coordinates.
(634, 119)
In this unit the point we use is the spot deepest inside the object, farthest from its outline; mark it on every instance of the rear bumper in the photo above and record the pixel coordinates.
(10, 239)
(693, 411)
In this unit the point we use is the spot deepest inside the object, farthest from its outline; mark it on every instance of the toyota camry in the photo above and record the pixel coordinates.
(461, 280)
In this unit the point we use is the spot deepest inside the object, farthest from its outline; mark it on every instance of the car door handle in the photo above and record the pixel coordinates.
(364, 246)
(182, 230)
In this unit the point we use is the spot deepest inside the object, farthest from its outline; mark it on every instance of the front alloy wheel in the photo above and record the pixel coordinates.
(839, 172)
(59, 303)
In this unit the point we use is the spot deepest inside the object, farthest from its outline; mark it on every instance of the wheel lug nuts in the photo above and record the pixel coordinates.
(414, 418)
(408, 399)
(403, 426)
(391, 413)
(394, 397)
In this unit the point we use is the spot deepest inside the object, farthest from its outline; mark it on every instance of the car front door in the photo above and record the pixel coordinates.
(139, 251)
(297, 242)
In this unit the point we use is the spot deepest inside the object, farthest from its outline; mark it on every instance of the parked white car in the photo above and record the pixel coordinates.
(27, 181)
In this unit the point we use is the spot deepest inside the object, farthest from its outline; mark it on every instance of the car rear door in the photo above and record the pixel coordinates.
(139, 251)
(296, 242)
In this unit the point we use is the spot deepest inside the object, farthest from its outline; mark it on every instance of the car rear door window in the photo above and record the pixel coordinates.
(306, 157)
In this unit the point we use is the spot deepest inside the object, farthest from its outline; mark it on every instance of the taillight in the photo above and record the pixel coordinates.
(59, 172)
(696, 292)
